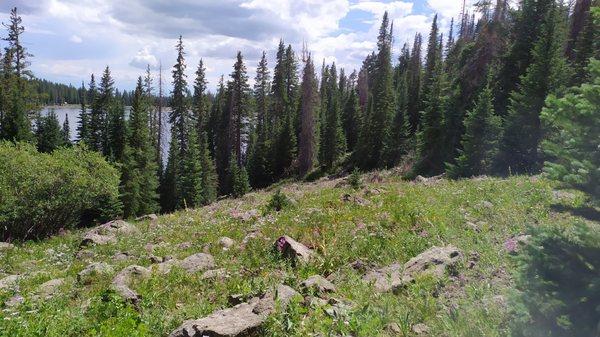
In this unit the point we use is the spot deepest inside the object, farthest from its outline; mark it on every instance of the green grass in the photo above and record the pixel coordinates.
(397, 224)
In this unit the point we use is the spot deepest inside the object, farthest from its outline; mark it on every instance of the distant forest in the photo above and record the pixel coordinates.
(467, 102)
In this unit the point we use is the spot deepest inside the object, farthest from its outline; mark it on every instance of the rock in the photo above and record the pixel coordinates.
(430, 180)
(92, 238)
(85, 254)
(50, 288)
(5, 246)
(315, 302)
(393, 328)
(385, 279)
(319, 284)
(339, 309)
(214, 274)
(197, 262)
(244, 216)
(96, 268)
(120, 256)
(237, 321)
(121, 282)
(243, 319)
(9, 282)
(152, 217)
(355, 199)
(292, 249)
(420, 329)
(473, 226)
(226, 242)
(433, 261)
(184, 245)
(155, 259)
(14, 301)
(513, 245)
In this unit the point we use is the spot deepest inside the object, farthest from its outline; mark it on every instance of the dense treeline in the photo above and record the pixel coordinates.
(466, 102)
(51, 93)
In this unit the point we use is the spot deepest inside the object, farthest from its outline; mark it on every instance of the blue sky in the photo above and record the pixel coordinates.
(71, 39)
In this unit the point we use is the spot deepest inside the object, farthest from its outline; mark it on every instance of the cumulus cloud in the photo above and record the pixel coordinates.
(76, 39)
(144, 58)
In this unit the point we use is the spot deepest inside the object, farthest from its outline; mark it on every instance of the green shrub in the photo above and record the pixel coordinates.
(278, 201)
(559, 283)
(41, 193)
(354, 179)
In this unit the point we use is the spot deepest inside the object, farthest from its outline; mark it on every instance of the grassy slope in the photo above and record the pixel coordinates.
(399, 223)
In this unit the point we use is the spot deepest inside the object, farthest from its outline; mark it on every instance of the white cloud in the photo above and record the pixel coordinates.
(143, 58)
(76, 39)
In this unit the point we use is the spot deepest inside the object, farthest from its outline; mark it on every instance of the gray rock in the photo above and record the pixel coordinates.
(433, 261)
(120, 256)
(214, 274)
(50, 288)
(197, 262)
(107, 233)
(85, 254)
(121, 283)
(152, 217)
(293, 249)
(420, 329)
(14, 301)
(93, 269)
(226, 242)
(184, 245)
(9, 282)
(393, 328)
(5, 246)
(319, 284)
(92, 238)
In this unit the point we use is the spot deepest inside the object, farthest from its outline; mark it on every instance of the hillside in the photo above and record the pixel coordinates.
(351, 233)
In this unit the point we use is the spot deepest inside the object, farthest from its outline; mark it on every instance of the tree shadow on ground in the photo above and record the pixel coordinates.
(586, 212)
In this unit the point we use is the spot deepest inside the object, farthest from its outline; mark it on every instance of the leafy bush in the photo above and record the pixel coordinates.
(278, 201)
(41, 193)
(559, 283)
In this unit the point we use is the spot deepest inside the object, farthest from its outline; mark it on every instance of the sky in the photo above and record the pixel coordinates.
(71, 39)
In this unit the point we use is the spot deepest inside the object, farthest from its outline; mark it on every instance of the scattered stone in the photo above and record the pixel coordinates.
(315, 302)
(420, 329)
(50, 288)
(122, 281)
(96, 268)
(120, 256)
(152, 217)
(9, 282)
(385, 279)
(285, 293)
(184, 245)
(106, 234)
(226, 242)
(372, 191)
(433, 261)
(97, 239)
(339, 309)
(197, 262)
(5, 246)
(292, 249)
(155, 259)
(473, 226)
(214, 274)
(514, 244)
(355, 199)
(393, 328)
(319, 284)
(14, 301)
(430, 180)
(244, 216)
(487, 204)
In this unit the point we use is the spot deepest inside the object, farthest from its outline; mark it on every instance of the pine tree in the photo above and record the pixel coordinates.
(200, 101)
(584, 34)
(522, 130)
(480, 141)
(333, 143)
(48, 133)
(83, 134)
(414, 85)
(139, 178)
(209, 179)
(239, 179)
(239, 108)
(103, 98)
(376, 129)
(259, 168)
(397, 143)
(66, 131)
(308, 118)
(117, 132)
(190, 190)
(169, 192)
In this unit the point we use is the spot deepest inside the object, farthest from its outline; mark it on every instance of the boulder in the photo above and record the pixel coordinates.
(197, 262)
(107, 233)
(244, 319)
(93, 238)
(152, 217)
(318, 284)
(244, 216)
(214, 274)
(14, 301)
(355, 199)
(96, 268)
(9, 282)
(226, 242)
(5, 246)
(121, 282)
(433, 261)
(420, 329)
(50, 288)
(293, 250)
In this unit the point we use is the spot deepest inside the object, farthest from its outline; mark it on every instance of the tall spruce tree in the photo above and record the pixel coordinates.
(139, 178)
(480, 141)
(48, 133)
(522, 129)
(239, 108)
(66, 131)
(307, 142)
(83, 131)
(116, 131)
(375, 131)
(414, 85)
(333, 143)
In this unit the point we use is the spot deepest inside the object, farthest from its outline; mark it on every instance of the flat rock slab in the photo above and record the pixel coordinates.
(107, 233)
(292, 249)
(50, 288)
(197, 262)
(241, 320)
(318, 284)
(433, 261)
